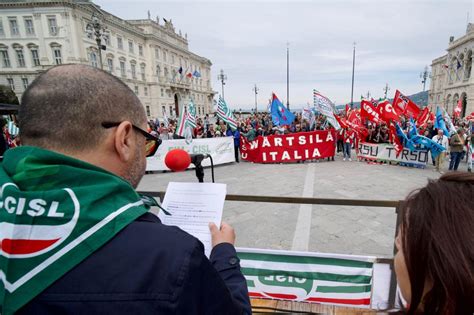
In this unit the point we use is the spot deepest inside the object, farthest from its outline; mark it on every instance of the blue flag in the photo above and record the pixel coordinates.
(196, 74)
(407, 143)
(428, 144)
(440, 123)
(413, 131)
(280, 115)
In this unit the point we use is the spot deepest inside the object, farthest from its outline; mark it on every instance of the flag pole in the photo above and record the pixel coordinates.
(353, 67)
(288, 75)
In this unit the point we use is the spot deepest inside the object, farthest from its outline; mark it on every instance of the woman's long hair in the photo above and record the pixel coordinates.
(438, 244)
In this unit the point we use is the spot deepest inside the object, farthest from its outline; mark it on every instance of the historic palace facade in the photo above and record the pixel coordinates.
(451, 77)
(152, 58)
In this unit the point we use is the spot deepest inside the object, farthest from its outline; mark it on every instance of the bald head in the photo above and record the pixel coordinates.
(63, 109)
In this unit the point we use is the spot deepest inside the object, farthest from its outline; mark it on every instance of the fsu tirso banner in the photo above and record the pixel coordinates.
(289, 148)
(310, 277)
(382, 152)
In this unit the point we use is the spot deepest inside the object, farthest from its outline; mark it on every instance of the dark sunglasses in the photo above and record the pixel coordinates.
(152, 143)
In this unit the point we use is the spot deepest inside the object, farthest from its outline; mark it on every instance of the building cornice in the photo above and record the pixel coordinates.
(114, 21)
(461, 41)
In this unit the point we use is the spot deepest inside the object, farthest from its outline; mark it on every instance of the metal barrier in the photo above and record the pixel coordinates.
(316, 201)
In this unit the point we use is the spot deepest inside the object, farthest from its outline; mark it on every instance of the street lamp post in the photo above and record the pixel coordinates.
(385, 89)
(222, 77)
(424, 76)
(96, 28)
(353, 69)
(256, 89)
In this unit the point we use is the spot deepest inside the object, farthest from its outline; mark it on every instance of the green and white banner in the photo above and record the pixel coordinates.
(221, 149)
(308, 277)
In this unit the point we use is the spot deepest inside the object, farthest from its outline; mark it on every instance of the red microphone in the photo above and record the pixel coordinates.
(177, 160)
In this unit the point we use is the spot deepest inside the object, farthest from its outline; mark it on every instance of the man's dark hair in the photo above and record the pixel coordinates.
(64, 107)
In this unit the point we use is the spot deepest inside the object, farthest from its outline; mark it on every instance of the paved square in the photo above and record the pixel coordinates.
(350, 230)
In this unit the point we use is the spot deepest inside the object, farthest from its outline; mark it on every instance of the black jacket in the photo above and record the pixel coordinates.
(149, 268)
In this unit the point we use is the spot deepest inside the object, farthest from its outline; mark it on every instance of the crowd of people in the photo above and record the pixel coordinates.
(260, 124)
(133, 263)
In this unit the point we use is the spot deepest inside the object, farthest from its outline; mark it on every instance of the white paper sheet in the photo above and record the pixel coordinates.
(192, 207)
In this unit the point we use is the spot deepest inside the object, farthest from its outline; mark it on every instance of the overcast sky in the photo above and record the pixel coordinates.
(248, 39)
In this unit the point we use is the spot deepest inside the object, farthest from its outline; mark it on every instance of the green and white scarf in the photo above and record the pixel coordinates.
(55, 211)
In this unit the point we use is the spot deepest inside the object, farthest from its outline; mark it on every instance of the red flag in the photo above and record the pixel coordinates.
(368, 110)
(432, 117)
(348, 110)
(424, 117)
(403, 104)
(341, 121)
(397, 144)
(458, 109)
(387, 112)
(354, 117)
(361, 131)
(189, 75)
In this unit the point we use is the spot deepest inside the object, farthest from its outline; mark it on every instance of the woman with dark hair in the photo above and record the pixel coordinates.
(435, 242)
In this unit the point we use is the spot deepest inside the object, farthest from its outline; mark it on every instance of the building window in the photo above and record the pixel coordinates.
(35, 57)
(90, 34)
(53, 26)
(5, 59)
(172, 59)
(93, 58)
(164, 56)
(133, 67)
(106, 39)
(14, 30)
(57, 55)
(122, 68)
(20, 58)
(130, 46)
(158, 71)
(145, 90)
(148, 112)
(136, 89)
(162, 93)
(110, 64)
(142, 70)
(163, 110)
(140, 50)
(157, 53)
(11, 83)
(2, 31)
(30, 29)
(171, 110)
(119, 42)
(25, 83)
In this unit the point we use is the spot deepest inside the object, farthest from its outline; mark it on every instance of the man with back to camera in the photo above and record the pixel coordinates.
(75, 236)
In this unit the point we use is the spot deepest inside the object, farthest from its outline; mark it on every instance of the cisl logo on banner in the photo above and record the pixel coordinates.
(309, 277)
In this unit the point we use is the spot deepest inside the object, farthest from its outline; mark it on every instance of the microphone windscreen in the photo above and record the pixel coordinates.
(177, 160)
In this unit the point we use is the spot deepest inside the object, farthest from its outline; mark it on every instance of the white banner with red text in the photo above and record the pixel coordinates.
(383, 152)
(221, 150)
(289, 148)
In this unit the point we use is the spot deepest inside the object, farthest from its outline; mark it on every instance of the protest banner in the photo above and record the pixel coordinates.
(349, 280)
(221, 150)
(289, 148)
(383, 152)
